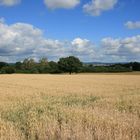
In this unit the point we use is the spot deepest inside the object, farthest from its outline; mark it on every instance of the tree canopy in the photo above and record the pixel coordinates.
(70, 64)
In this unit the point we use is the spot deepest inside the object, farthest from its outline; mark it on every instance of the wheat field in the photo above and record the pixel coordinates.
(70, 107)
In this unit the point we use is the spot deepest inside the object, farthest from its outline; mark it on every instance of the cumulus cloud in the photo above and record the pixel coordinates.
(127, 49)
(96, 7)
(133, 25)
(67, 4)
(18, 39)
(110, 45)
(9, 2)
(51, 4)
(21, 40)
(83, 48)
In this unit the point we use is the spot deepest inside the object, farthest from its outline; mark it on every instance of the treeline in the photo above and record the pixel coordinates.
(69, 65)
(118, 67)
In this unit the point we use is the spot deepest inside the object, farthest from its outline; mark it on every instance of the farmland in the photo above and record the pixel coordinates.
(70, 107)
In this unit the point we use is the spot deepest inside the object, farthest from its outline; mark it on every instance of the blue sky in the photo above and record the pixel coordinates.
(93, 30)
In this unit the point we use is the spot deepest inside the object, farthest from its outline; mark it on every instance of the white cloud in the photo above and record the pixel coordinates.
(18, 39)
(83, 48)
(133, 25)
(80, 42)
(51, 4)
(127, 49)
(110, 45)
(131, 45)
(96, 7)
(9, 2)
(67, 4)
(21, 40)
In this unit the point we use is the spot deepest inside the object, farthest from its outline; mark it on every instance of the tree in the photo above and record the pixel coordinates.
(18, 65)
(3, 64)
(53, 67)
(136, 66)
(69, 64)
(43, 61)
(28, 64)
(8, 70)
(43, 65)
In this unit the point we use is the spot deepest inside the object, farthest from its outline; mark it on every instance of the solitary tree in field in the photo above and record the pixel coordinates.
(69, 64)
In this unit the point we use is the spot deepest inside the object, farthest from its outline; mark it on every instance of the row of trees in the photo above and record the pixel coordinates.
(64, 65)
(69, 65)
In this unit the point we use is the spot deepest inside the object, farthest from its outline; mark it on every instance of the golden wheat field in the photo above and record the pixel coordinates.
(70, 107)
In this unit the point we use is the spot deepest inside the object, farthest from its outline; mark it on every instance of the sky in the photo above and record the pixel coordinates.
(92, 30)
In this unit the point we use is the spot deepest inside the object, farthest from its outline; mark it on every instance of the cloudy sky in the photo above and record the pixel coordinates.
(93, 30)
